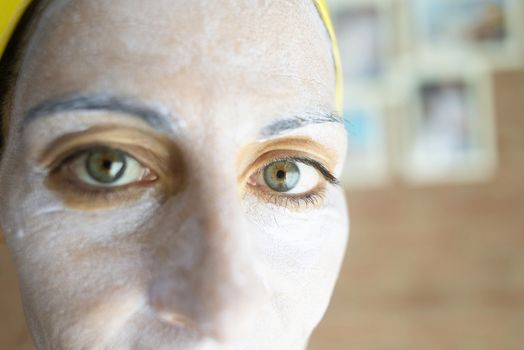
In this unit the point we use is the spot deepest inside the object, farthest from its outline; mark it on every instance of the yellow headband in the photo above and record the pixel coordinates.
(10, 13)
(324, 13)
(12, 10)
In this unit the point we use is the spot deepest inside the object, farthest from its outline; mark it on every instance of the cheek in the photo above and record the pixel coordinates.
(78, 281)
(71, 262)
(56, 246)
(293, 243)
(300, 254)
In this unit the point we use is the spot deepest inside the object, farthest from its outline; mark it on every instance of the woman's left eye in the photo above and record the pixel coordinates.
(106, 167)
(287, 177)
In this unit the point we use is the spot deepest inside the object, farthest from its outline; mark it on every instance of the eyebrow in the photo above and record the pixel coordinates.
(295, 122)
(157, 118)
(154, 117)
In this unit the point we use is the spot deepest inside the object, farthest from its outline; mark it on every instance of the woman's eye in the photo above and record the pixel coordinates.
(281, 176)
(106, 167)
(287, 176)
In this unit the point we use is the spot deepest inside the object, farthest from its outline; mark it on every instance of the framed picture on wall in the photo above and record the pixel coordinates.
(448, 131)
(365, 34)
(367, 162)
(491, 28)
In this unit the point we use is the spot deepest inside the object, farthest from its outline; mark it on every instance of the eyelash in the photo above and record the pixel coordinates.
(311, 199)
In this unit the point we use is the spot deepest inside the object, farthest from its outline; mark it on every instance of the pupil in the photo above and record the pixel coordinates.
(107, 164)
(282, 176)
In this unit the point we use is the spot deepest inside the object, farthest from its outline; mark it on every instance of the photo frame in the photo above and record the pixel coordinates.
(367, 160)
(364, 27)
(490, 28)
(448, 130)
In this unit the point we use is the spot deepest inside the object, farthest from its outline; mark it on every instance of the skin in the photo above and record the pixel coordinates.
(202, 257)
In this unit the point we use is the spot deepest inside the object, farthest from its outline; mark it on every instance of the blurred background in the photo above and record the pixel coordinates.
(434, 180)
(435, 177)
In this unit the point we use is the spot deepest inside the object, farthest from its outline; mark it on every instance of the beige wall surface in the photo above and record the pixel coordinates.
(427, 268)
(438, 267)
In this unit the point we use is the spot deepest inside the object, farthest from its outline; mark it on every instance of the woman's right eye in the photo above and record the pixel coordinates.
(107, 168)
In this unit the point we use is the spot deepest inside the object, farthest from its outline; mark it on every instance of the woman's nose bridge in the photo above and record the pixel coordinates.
(216, 289)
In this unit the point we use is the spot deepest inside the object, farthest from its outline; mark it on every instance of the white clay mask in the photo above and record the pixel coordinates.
(170, 176)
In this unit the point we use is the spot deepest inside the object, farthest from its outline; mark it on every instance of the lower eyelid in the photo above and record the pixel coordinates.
(309, 200)
(76, 196)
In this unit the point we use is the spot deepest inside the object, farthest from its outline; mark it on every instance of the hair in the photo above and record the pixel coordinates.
(11, 60)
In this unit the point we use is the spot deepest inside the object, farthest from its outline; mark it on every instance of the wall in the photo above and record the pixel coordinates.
(438, 267)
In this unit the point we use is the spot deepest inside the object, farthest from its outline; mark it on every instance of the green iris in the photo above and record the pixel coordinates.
(106, 165)
(281, 176)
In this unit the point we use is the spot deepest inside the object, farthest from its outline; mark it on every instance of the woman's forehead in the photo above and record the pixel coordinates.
(230, 57)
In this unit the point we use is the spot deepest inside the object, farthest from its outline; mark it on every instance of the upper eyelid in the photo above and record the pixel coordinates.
(75, 153)
(110, 136)
(83, 150)
(300, 147)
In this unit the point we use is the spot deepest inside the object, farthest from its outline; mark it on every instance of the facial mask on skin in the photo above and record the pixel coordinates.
(12, 10)
(221, 260)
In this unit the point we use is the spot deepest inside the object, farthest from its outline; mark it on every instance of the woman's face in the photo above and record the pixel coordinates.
(167, 179)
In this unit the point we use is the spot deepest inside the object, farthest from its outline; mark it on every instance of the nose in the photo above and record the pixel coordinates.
(206, 277)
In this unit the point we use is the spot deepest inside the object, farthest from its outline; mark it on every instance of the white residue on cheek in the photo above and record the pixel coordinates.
(102, 325)
(42, 202)
(107, 223)
(29, 199)
(19, 233)
(287, 242)
(293, 242)
(41, 210)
